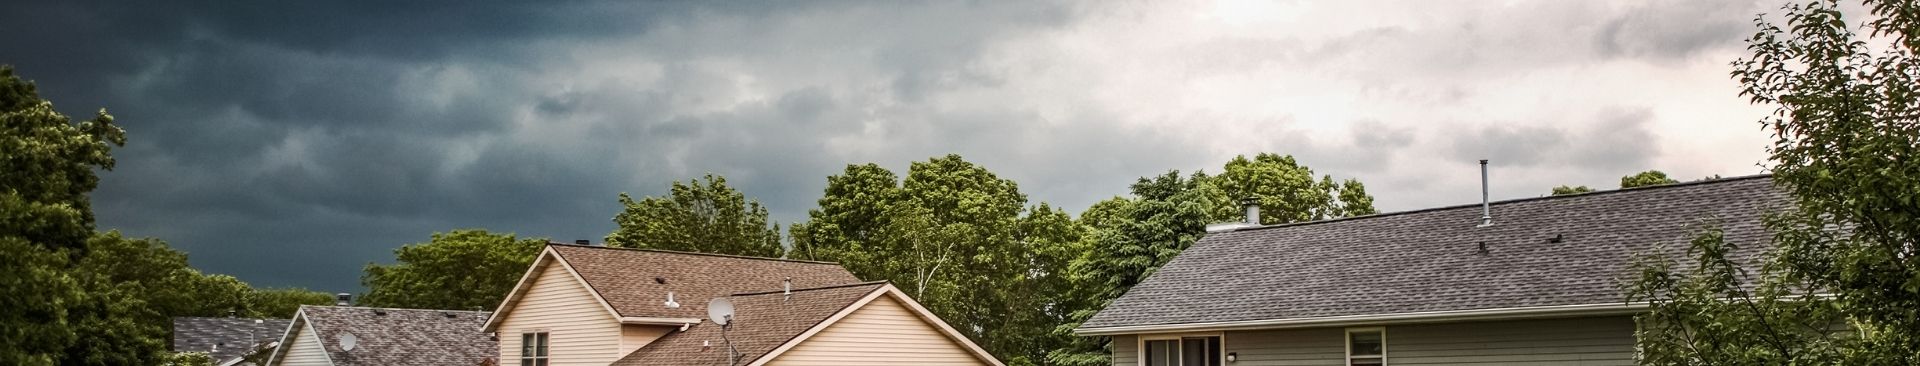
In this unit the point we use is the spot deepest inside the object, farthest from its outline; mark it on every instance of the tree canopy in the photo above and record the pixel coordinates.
(1840, 285)
(1566, 190)
(704, 215)
(457, 270)
(957, 237)
(1646, 178)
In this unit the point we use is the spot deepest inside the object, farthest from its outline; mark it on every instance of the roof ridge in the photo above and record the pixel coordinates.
(856, 284)
(1519, 200)
(390, 309)
(551, 243)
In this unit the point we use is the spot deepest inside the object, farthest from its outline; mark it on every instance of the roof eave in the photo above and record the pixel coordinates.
(641, 320)
(1397, 318)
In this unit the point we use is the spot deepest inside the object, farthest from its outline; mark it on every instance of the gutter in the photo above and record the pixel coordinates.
(1376, 319)
(658, 321)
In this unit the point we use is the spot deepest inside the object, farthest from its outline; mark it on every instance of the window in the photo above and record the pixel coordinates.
(533, 349)
(1367, 346)
(1182, 351)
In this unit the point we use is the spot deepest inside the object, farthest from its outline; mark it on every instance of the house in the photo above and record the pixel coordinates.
(227, 340)
(1537, 284)
(347, 335)
(591, 305)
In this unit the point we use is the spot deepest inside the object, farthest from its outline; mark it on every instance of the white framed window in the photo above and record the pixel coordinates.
(1366, 346)
(1191, 349)
(533, 349)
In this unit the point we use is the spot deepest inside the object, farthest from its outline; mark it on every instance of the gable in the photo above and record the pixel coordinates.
(636, 282)
(553, 301)
(302, 348)
(882, 332)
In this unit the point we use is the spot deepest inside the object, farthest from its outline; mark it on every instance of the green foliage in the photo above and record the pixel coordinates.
(707, 217)
(283, 302)
(1646, 178)
(458, 270)
(1288, 191)
(959, 239)
(47, 167)
(1565, 190)
(1847, 146)
(1128, 239)
(189, 359)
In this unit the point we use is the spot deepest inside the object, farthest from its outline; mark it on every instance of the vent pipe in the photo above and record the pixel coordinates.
(343, 299)
(1252, 207)
(1486, 207)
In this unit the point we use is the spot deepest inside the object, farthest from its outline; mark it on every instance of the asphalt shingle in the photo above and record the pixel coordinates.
(1429, 260)
(402, 336)
(636, 282)
(762, 322)
(224, 338)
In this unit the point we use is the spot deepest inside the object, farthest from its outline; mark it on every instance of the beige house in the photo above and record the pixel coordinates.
(590, 305)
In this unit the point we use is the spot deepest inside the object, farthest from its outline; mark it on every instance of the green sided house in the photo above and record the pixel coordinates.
(1537, 284)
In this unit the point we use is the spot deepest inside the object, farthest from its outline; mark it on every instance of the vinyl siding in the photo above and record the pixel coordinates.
(1126, 350)
(305, 350)
(1577, 341)
(1570, 341)
(580, 330)
(883, 332)
(634, 336)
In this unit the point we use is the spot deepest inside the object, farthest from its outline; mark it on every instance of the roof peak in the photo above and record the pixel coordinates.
(391, 309)
(1518, 200)
(663, 251)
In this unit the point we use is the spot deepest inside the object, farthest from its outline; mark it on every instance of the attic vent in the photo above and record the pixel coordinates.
(660, 280)
(1557, 238)
(582, 242)
(449, 315)
(379, 312)
(1483, 248)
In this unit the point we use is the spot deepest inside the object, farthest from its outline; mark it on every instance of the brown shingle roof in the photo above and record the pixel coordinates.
(626, 278)
(402, 336)
(762, 322)
(1561, 250)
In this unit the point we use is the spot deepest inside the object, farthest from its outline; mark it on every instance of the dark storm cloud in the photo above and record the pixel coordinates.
(290, 144)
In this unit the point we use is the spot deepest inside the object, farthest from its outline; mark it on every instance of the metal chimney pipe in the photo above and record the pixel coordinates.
(1486, 207)
(343, 299)
(1251, 205)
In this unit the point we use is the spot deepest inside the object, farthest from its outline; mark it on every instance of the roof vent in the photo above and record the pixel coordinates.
(585, 242)
(1557, 238)
(343, 299)
(660, 280)
(787, 287)
(1251, 205)
(1486, 207)
(670, 303)
(1483, 248)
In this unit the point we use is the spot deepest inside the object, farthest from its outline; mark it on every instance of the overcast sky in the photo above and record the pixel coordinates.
(289, 145)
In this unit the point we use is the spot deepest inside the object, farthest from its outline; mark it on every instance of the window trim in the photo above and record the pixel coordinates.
(1140, 343)
(538, 336)
(1347, 342)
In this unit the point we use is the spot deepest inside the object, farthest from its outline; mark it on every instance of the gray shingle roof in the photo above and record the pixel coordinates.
(1428, 260)
(224, 338)
(402, 336)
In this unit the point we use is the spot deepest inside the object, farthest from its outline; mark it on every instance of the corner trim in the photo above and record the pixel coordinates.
(1398, 318)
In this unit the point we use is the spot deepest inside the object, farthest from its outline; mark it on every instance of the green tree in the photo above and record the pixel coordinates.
(1565, 190)
(1127, 239)
(457, 270)
(1847, 148)
(283, 302)
(959, 239)
(1288, 192)
(705, 216)
(47, 164)
(1646, 178)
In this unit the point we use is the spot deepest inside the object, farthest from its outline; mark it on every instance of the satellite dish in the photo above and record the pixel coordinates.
(720, 310)
(348, 341)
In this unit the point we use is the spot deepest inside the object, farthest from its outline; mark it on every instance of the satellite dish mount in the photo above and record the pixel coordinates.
(720, 310)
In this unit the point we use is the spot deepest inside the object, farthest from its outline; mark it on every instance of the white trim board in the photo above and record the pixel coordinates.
(1371, 319)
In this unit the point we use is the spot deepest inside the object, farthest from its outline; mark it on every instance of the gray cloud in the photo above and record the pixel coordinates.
(290, 144)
